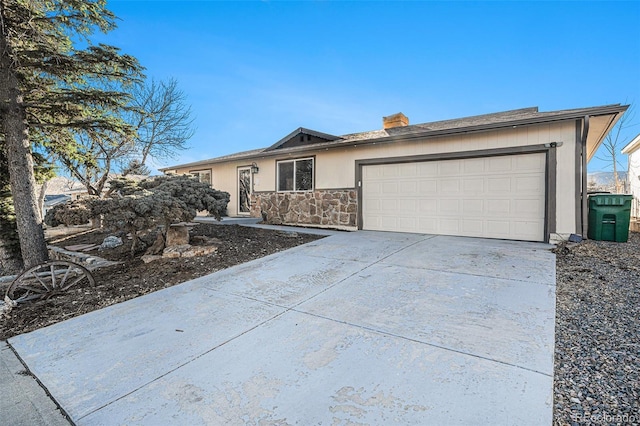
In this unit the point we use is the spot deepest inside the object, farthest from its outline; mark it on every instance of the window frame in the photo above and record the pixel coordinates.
(293, 161)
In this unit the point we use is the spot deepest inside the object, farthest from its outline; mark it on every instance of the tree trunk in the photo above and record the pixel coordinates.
(18, 152)
(43, 192)
(9, 264)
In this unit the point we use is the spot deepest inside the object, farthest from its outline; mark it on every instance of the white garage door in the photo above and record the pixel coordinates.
(491, 197)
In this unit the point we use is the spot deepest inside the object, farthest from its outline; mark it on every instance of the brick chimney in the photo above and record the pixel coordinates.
(395, 120)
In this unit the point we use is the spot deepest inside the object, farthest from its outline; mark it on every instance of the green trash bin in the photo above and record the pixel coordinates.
(609, 217)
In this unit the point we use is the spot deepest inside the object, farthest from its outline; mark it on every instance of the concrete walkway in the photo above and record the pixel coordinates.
(23, 401)
(361, 327)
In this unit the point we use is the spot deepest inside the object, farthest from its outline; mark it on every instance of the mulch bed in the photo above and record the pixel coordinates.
(132, 277)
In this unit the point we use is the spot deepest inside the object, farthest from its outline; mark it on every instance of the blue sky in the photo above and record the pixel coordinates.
(255, 71)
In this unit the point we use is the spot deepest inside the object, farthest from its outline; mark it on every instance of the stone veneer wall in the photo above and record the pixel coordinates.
(321, 207)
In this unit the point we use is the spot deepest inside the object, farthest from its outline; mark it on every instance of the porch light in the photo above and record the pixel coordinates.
(254, 168)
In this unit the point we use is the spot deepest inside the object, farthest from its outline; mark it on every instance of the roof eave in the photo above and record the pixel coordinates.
(632, 146)
(594, 144)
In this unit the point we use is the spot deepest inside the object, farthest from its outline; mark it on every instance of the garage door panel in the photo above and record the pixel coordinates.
(529, 162)
(499, 228)
(472, 227)
(449, 186)
(408, 187)
(391, 207)
(528, 208)
(428, 186)
(449, 207)
(389, 188)
(498, 207)
(473, 166)
(500, 164)
(407, 223)
(475, 186)
(448, 168)
(427, 225)
(427, 169)
(388, 222)
(494, 197)
(449, 226)
(428, 206)
(391, 170)
(408, 171)
(372, 189)
(499, 184)
(528, 184)
(525, 230)
(408, 206)
(472, 207)
(374, 205)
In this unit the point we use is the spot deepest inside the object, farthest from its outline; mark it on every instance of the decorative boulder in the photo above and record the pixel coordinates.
(111, 242)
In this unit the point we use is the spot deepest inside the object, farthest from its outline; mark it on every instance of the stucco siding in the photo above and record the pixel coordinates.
(634, 182)
(566, 202)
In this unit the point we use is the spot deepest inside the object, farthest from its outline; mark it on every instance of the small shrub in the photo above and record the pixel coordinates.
(72, 213)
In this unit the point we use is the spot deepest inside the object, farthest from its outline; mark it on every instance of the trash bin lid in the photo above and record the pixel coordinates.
(610, 199)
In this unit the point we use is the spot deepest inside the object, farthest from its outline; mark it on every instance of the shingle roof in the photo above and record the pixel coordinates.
(512, 118)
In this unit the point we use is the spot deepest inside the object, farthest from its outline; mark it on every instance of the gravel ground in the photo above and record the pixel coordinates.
(597, 355)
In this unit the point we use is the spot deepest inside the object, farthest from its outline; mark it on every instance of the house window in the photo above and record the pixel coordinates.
(203, 176)
(295, 175)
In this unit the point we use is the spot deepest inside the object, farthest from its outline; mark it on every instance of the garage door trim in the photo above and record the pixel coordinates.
(550, 173)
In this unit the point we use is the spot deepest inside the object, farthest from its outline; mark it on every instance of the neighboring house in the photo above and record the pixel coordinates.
(53, 200)
(59, 190)
(60, 185)
(517, 175)
(633, 173)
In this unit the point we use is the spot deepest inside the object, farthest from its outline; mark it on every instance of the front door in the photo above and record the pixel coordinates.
(244, 190)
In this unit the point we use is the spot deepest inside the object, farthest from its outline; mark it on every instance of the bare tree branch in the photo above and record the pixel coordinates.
(163, 122)
(613, 144)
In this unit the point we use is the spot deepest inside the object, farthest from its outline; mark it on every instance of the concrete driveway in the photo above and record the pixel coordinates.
(356, 328)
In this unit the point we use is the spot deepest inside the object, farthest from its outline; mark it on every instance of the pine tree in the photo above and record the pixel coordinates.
(52, 91)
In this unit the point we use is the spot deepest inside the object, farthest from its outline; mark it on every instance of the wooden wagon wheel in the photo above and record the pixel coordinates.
(47, 279)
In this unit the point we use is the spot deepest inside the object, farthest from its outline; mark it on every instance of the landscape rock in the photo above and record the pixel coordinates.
(111, 242)
(186, 250)
(597, 352)
(148, 258)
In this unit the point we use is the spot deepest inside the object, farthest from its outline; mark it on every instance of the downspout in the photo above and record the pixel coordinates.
(585, 205)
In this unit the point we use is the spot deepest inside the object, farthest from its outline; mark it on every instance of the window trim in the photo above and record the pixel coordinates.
(294, 160)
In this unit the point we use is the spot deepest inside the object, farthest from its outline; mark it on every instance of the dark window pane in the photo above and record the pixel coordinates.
(244, 183)
(304, 175)
(285, 176)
